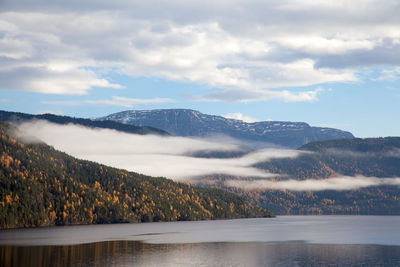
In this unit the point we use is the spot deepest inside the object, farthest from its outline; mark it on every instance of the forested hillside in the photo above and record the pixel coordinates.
(366, 145)
(41, 186)
(382, 200)
(19, 117)
(378, 200)
(378, 157)
(371, 157)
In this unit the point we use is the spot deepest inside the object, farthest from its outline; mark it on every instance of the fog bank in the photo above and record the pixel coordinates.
(333, 183)
(149, 154)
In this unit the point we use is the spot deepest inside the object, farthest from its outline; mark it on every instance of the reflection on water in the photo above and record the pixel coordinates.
(330, 241)
(133, 253)
(378, 230)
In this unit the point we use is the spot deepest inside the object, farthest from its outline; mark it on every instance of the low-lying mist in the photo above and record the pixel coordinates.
(149, 154)
(333, 183)
(394, 152)
(170, 157)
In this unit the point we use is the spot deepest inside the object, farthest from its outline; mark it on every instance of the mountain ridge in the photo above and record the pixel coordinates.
(15, 117)
(188, 122)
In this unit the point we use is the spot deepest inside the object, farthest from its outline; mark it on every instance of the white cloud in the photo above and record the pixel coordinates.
(389, 75)
(317, 45)
(115, 101)
(14, 48)
(148, 154)
(50, 80)
(55, 112)
(246, 46)
(333, 183)
(240, 116)
(245, 96)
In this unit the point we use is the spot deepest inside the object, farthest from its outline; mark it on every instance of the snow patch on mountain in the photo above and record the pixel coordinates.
(187, 122)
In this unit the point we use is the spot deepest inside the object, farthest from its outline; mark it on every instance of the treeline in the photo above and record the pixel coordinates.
(379, 157)
(371, 157)
(383, 200)
(377, 200)
(40, 186)
(368, 145)
(20, 117)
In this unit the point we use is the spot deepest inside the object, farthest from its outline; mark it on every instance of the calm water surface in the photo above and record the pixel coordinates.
(283, 241)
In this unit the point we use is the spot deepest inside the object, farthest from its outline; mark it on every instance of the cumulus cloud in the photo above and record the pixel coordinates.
(245, 96)
(49, 79)
(55, 112)
(333, 183)
(115, 101)
(149, 154)
(389, 75)
(240, 116)
(251, 48)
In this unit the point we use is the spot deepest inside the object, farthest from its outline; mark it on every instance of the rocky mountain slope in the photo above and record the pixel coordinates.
(186, 122)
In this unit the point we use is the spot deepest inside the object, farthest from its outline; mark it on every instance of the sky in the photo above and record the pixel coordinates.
(328, 63)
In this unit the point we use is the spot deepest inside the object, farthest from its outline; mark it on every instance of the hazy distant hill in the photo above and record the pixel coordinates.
(41, 186)
(18, 117)
(371, 157)
(186, 122)
(380, 200)
(367, 145)
(378, 157)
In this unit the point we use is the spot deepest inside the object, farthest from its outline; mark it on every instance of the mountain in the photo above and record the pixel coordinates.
(19, 117)
(370, 157)
(40, 186)
(186, 122)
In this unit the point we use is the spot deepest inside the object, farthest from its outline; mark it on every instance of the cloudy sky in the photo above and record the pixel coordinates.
(328, 63)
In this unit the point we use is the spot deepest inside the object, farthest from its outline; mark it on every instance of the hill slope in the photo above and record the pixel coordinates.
(18, 117)
(40, 186)
(186, 122)
(376, 157)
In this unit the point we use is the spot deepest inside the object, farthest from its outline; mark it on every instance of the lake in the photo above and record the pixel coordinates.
(281, 241)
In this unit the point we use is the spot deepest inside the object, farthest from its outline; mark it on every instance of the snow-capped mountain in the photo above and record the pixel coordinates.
(186, 122)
